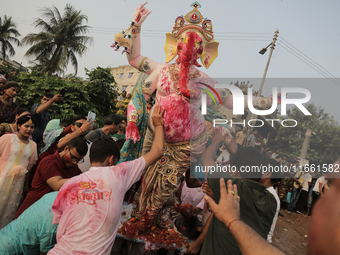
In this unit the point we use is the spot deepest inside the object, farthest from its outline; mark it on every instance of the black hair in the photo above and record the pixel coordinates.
(102, 148)
(120, 143)
(23, 119)
(276, 172)
(11, 84)
(22, 110)
(79, 144)
(79, 117)
(123, 118)
(49, 94)
(113, 118)
(249, 158)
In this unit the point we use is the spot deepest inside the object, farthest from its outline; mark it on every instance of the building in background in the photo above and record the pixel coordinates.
(12, 63)
(127, 77)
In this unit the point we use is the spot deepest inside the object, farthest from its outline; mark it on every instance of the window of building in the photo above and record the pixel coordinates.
(124, 87)
(121, 75)
(130, 75)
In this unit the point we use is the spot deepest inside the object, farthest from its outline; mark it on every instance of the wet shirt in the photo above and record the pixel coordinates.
(88, 208)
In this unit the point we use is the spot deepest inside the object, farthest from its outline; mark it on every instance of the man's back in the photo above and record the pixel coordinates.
(88, 208)
(257, 208)
(251, 140)
(33, 231)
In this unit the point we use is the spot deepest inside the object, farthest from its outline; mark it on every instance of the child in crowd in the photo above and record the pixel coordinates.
(17, 155)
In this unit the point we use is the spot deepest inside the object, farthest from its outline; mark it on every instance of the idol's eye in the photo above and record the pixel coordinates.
(199, 43)
(182, 39)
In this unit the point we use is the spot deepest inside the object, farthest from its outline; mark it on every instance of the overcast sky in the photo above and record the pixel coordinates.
(307, 47)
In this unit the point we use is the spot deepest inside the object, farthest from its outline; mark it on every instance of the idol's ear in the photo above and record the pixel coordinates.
(170, 47)
(210, 52)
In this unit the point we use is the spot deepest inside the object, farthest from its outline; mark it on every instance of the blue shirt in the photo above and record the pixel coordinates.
(32, 231)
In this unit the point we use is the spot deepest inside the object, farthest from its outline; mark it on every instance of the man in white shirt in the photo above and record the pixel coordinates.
(304, 193)
(88, 207)
(317, 190)
(268, 180)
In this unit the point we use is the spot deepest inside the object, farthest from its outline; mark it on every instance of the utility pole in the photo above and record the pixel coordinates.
(270, 55)
(305, 146)
(272, 44)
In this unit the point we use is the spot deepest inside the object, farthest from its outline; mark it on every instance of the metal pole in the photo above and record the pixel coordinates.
(270, 55)
(265, 71)
(305, 145)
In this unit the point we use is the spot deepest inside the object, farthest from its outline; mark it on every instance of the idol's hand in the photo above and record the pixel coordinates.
(140, 14)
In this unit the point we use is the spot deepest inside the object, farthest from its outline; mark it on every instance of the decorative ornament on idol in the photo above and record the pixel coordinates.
(224, 131)
(123, 39)
(193, 21)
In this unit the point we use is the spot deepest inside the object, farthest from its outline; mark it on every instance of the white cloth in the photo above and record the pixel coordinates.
(272, 228)
(317, 183)
(308, 178)
(223, 157)
(85, 164)
(88, 208)
(274, 155)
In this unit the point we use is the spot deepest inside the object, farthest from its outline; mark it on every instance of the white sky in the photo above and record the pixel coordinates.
(308, 28)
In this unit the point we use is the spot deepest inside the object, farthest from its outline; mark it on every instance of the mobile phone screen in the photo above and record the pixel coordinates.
(62, 92)
(91, 116)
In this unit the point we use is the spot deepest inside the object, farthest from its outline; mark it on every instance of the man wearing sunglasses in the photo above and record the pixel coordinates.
(54, 170)
(80, 127)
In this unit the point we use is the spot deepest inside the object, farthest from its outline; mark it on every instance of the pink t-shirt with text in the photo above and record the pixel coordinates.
(88, 208)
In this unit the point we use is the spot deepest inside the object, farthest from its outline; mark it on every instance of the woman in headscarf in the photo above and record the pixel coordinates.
(52, 132)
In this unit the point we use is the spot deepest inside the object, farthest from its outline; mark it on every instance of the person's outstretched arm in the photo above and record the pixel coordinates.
(158, 143)
(228, 212)
(208, 155)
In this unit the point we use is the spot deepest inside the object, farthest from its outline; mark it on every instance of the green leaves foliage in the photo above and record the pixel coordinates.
(324, 145)
(8, 36)
(93, 94)
(61, 39)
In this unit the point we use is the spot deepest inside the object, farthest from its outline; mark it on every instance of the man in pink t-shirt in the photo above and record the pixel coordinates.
(88, 206)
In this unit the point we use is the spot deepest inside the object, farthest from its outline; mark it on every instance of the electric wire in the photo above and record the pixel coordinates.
(334, 81)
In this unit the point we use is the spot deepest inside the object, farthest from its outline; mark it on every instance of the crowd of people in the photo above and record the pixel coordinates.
(62, 191)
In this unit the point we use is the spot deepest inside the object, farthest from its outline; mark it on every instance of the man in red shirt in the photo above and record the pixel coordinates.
(54, 170)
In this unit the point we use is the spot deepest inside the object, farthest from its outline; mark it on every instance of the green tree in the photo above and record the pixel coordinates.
(323, 147)
(61, 39)
(95, 93)
(102, 93)
(8, 35)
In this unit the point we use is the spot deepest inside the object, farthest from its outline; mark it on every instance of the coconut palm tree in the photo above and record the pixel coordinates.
(62, 37)
(8, 34)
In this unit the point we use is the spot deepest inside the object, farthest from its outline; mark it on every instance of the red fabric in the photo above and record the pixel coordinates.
(49, 167)
(50, 151)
